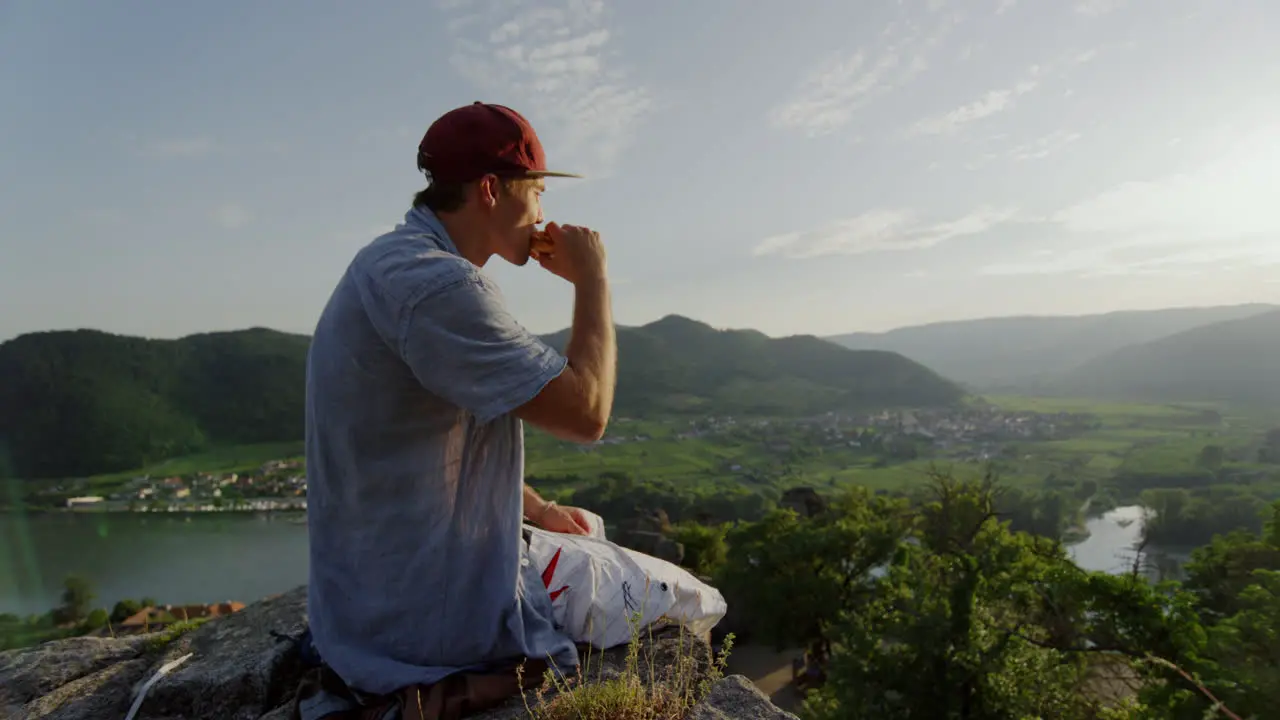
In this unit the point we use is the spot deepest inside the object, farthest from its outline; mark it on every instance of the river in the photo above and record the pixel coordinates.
(199, 558)
(232, 556)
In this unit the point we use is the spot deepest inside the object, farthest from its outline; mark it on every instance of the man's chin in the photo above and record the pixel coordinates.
(520, 260)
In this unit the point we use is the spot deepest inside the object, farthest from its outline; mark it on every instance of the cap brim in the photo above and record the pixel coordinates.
(550, 173)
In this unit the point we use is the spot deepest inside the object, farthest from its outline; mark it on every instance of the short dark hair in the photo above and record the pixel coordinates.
(442, 197)
(451, 196)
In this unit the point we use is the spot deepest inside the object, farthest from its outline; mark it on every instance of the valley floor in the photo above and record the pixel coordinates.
(1106, 451)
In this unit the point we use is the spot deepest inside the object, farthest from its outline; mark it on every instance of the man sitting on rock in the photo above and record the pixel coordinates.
(419, 380)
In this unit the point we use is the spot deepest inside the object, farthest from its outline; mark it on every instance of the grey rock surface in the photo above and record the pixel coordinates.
(238, 667)
(735, 698)
(30, 673)
(106, 693)
(241, 667)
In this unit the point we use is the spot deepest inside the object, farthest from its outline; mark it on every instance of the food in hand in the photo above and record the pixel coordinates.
(541, 243)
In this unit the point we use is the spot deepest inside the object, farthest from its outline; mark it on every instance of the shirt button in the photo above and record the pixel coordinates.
(524, 562)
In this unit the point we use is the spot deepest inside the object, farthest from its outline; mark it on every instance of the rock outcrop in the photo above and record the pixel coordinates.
(245, 666)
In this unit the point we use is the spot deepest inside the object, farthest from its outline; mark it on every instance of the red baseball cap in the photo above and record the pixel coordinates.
(474, 140)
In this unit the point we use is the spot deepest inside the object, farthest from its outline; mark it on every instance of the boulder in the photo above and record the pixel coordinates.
(242, 665)
(245, 666)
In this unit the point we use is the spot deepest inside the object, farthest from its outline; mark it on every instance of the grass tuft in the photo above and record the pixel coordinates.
(162, 639)
(656, 689)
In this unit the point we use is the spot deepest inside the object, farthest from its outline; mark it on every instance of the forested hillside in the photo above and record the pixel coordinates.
(87, 402)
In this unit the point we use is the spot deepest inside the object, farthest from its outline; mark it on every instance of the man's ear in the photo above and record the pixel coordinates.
(490, 190)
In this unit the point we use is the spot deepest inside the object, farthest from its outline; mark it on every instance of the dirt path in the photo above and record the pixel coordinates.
(768, 670)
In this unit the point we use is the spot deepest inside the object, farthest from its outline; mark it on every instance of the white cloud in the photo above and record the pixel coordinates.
(833, 91)
(181, 147)
(992, 102)
(1005, 6)
(554, 64)
(1083, 57)
(883, 230)
(232, 216)
(1000, 100)
(1217, 216)
(1232, 195)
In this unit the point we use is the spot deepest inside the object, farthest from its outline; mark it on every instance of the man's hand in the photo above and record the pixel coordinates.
(571, 252)
(562, 519)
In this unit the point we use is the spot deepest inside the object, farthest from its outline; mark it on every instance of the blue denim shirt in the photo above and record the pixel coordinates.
(415, 469)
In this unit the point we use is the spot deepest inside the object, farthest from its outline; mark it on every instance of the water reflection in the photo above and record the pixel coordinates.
(176, 559)
(1112, 539)
(1112, 546)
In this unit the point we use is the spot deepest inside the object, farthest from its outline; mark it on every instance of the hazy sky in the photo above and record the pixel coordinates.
(816, 167)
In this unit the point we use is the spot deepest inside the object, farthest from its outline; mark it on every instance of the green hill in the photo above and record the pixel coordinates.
(87, 402)
(676, 365)
(1235, 361)
(1020, 352)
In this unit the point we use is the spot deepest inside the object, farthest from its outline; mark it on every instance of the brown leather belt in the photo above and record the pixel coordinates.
(453, 698)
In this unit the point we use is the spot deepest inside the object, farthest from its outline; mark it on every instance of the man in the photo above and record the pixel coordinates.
(418, 383)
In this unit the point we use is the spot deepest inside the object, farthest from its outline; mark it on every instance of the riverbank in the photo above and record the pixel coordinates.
(290, 506)
(195, 557)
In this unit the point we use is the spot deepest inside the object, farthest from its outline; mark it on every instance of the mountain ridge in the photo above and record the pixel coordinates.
(1233, 361)
(1019, 352)
(83, 402)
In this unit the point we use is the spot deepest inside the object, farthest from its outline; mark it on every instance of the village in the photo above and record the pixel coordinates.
(278, 485)
(968, 434)
(965, 434)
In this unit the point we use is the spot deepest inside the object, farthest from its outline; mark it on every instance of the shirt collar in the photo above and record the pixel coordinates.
(422, 219)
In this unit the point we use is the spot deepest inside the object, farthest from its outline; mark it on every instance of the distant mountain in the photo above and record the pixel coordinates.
(1236, 361)
(678, 365)
(1020, 352)
(87, 402)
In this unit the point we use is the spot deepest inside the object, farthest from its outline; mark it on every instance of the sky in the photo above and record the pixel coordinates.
(793, 167)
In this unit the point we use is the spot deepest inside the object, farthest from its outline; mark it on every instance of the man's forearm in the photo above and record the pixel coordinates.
(534, 505)
(593, 348)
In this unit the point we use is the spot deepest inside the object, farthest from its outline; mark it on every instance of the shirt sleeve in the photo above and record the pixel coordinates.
(462, 344)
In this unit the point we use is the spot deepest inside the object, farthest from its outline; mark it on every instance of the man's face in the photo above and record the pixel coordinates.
(517, 214)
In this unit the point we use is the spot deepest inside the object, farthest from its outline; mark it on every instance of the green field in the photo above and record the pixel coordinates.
(1127, 438)
(238, 458)
(1124, 440)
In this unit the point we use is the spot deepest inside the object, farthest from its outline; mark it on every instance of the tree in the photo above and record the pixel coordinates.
(1270, 450)
(1247, 646)
(1087, 489)
(705, 549)
(123, 609)
(793, 575)
(1211, 457)
(1273, 438)
(947, 631)
(96, 619)
(77, 596)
